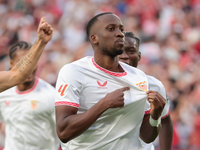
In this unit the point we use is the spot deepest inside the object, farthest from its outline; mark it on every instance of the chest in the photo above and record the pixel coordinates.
(24, 106)
(97, 86)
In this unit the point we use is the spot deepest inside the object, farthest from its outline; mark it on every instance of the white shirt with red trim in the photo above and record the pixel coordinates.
(29, 117)
(156, 85)
(83, 83)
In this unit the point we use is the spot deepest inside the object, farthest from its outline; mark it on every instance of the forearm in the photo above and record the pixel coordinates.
(28, 63)
(166, 134)
(74, 125)
(148, 133)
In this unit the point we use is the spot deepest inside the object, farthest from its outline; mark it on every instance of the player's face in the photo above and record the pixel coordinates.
(131, 54)
(20, 54)
(110, 35)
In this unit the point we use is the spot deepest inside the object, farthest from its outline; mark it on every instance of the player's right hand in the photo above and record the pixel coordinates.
(45, 31)
(116, 98)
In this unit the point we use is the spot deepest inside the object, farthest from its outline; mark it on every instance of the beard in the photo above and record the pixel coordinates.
(27, 83)
(112, 52)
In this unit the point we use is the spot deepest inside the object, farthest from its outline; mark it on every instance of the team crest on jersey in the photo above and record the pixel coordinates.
(102, 86)
(142, 85)
(34, 104)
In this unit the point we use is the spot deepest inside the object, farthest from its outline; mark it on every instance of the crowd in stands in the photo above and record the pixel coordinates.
(169, 31)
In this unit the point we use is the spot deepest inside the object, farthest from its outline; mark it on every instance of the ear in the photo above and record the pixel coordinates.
(94, 39)
(11, 63)
(139, 55)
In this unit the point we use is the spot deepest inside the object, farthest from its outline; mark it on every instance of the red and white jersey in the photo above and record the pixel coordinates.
(156, 85)
(83, 83)
(29, 117)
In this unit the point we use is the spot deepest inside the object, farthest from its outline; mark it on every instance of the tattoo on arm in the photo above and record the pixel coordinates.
(21, 64)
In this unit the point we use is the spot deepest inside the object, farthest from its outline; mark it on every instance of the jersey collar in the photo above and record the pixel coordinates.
(116, 74)
(27, 91)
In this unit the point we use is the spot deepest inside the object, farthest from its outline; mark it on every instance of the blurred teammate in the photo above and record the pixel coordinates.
(100, 102)
(27, 64)
(28, 110)
(131, 56)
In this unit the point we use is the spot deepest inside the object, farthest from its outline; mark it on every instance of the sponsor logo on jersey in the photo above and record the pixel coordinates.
(142, 85)
(34, 104)
(62, 89)
(7, 103)
(102, 86)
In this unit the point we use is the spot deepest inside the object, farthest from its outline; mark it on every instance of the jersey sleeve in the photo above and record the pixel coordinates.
(166, 109)
(68, 86)
(156, 85)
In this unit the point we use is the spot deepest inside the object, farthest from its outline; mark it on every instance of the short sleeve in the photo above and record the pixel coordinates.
(166, 109)
(156, 85)
(68, 86)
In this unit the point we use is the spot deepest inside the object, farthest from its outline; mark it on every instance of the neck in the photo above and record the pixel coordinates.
(26, 85)
(108, 63)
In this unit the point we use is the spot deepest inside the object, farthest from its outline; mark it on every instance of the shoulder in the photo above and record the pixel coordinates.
(156, 85)
(8, 93)
(44, 84)
(76, 66)
(154, 82)
(74, 73)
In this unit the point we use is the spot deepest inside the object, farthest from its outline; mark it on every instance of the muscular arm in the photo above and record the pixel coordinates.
(166, 134)
(23, 68)
(70, 124)
(148, 133)
(27, 64)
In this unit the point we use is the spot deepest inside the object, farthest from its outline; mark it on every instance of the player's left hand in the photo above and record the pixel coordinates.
(45, 31)
(157, 103)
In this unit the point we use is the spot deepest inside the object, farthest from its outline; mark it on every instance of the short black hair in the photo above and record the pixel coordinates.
(92, 21)
(131, 35)
(21, 45)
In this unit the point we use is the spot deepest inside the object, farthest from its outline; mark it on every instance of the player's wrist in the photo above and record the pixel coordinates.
(153, 122)
(104, 104)
(41, 41)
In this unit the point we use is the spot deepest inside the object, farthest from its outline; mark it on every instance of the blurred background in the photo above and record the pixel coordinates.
(170, 45)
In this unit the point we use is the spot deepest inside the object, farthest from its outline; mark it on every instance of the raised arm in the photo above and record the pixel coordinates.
(28, 63)
(70, 124)
(151, 126)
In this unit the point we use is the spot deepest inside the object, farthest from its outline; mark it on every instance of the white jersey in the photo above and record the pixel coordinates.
(83, 83)
(156, 85)
(29, 117)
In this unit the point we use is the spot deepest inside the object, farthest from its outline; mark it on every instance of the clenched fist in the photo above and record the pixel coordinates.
(157, 103)
(45, 31)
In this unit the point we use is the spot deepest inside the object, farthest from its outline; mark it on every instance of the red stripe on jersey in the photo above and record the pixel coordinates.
(67, 103)
(147, 112)
(166, 114)
(28, 91)
(120, 74)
